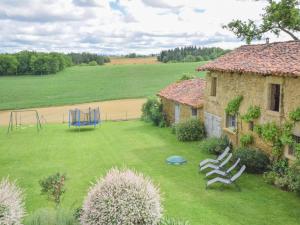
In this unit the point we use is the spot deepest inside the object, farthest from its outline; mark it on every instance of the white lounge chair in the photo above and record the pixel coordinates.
(227, 181)
(223, 173)
(216, 167)
(215, 161)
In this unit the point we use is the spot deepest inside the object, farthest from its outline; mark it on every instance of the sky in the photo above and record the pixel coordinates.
(121, 26)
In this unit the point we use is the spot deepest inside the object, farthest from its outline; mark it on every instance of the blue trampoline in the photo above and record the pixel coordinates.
(176, 160)
(90, 117)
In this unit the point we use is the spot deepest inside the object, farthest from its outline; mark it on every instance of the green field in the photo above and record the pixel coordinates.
(86, 84)
(28, 156)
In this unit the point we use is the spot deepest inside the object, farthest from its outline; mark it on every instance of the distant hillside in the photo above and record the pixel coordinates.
(190, 54)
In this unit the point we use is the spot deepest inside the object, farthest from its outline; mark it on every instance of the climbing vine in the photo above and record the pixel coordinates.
(271, 133)
(234, 106)
(280, 136)
(295, 115)
(246, 139)
(252, 114)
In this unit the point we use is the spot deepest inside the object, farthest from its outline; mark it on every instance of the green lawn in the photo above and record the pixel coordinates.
(86, 84)
(84, 156)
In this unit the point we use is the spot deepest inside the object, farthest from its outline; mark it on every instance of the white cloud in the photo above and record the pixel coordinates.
(120, 26)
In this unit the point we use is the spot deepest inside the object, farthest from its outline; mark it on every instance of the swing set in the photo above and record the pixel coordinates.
(16, 119)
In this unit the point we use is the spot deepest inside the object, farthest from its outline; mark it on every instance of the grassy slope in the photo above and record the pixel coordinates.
(86, 84)
(84, 156)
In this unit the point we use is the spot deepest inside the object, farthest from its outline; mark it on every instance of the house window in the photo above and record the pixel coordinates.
(194, 112)
(213, 90)
(231, 122)
(291, 149)
(251, 125)
(274, 101)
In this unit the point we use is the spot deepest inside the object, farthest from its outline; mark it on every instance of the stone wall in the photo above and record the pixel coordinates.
(185, 111)
(255, 90)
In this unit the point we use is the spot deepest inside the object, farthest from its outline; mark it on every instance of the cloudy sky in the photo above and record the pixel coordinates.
(120, 26)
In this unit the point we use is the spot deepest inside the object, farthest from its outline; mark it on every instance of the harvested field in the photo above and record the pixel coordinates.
(125, 61)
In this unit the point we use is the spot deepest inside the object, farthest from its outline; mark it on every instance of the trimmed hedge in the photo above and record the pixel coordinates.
(191, 130)
(256, 161)
(215, 145)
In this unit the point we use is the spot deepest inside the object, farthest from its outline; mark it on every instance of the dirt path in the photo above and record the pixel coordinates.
(110, 110)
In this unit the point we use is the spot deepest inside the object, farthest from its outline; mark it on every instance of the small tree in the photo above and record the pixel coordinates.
(279, 16)
(152, 111)
(53, 186)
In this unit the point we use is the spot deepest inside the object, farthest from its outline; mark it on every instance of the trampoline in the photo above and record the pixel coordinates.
(89, 117)
(176, 160)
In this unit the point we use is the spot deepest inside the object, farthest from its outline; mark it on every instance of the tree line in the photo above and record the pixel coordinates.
(190, 54)
(86, 58)
(28, 62)
(40, 63)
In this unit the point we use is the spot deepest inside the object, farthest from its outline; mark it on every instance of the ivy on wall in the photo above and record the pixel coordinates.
(246, 139)
(295, 115)
(271, 132)
(282, 135)
(234, 106)
(232, 109)
(252, 114)
(277, 135)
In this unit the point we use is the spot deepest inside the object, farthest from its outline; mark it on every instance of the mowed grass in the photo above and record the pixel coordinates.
(86, 84)
(84, 156)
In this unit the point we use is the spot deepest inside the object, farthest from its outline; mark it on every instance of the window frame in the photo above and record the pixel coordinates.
(194, 110)
(231, 120)
(274, 104)
(213, 86)
(291, 150)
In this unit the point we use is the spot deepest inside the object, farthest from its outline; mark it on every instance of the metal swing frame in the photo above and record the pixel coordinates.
(18, 122)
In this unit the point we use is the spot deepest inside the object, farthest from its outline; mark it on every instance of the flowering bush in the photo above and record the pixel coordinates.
(122, 197)
(11, 203)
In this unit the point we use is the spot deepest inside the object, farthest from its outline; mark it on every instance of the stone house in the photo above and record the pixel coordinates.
(183, 100)
(266, 75)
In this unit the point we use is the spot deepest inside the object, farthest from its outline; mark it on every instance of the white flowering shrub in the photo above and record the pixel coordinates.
(11, 203)
(122, 197)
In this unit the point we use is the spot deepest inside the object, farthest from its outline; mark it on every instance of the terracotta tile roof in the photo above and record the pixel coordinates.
(189, 92)
(280, 58)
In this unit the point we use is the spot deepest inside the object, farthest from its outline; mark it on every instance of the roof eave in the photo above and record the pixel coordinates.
(282, 74)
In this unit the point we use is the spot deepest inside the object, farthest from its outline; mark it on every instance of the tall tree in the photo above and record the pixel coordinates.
(279, 16)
